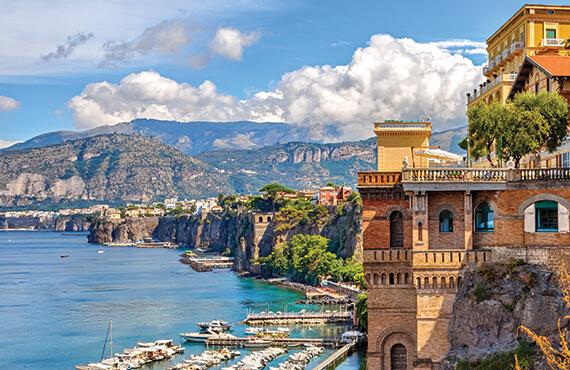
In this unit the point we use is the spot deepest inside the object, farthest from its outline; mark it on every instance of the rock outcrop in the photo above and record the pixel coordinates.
(494, 300)
(235, 230)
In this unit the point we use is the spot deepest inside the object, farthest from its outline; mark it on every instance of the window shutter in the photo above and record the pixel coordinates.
(529, 221)
(563, 220)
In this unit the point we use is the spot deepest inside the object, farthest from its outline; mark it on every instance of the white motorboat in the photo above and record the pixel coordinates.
(204, 335)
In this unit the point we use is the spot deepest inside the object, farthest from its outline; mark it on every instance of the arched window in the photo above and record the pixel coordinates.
(260, 219)
(396, 229)
(546, 212)
(398, 357)
(391, 277)
(268, 218)
(484, 217)
(445, 222)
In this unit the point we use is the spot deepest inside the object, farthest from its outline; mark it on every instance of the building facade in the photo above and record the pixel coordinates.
(423, 225)
(531, 31)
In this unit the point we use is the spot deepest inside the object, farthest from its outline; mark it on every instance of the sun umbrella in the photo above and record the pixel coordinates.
(439, 154)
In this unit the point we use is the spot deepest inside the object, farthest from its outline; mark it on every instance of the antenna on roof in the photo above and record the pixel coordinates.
(425, 119)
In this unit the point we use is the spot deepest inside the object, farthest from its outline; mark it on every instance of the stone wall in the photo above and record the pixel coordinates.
(453, 202)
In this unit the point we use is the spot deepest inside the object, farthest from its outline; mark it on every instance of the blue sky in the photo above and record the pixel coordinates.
(168, 49)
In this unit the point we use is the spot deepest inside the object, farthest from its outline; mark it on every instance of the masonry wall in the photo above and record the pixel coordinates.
(453, 202)
(509, 217)
(378, 205)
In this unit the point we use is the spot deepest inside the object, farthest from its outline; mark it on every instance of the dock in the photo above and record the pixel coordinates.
(244, 342)
(315, 318)
(208, 264)
(336, 358)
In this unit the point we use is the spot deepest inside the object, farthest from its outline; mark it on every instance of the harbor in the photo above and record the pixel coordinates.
(302, 317)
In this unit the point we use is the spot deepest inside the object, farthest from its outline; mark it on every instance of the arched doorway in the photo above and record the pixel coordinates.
(398, 357)
(396, 230)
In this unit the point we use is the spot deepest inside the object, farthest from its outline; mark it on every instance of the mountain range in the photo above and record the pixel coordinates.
(149, 160)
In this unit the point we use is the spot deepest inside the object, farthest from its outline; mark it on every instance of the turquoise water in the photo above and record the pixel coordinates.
(54, 311)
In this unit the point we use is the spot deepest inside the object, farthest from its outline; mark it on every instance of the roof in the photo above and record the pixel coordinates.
(550, 65)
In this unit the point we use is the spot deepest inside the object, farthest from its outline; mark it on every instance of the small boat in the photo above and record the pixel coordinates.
(64, 256)
(215, 324)
(101, 251)
(204, 335)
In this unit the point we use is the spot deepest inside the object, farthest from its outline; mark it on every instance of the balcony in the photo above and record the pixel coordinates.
(502, 57)
(457, 175)
(378, 179)
(552, 42)
(488, 86)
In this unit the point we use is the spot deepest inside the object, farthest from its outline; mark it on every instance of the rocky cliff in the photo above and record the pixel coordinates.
(107, 167)
(234, 229)
(493, 301)
(59, 223)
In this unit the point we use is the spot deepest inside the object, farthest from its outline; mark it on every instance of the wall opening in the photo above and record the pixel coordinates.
(398, 357)
(396, 230)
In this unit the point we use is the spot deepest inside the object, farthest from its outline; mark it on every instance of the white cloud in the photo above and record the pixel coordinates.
(7, 103)
(35, 27)
(230, 42)
(389, 79)
(169, 36)
(461, 46)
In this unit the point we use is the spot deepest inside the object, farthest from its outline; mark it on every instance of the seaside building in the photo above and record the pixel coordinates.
(534, 30)
(422, 225)
(530, 52)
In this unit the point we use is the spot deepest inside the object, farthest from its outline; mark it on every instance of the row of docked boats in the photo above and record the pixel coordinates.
(258, 359)
(299, 360)
(135, 358)
(206, 360)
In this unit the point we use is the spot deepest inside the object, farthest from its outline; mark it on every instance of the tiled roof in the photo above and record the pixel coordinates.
(555, 65)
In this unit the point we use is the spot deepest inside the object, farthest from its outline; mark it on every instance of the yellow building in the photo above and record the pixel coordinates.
(533, 30)
(397, 140)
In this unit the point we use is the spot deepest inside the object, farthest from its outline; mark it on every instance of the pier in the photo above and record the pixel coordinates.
(335, 317)
(245, 342)
(336, 358)
(208, 264)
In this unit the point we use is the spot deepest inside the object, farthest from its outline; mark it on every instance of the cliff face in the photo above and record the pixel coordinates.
(60, 223)
(131, 229)
(235, 230)
(494, 300)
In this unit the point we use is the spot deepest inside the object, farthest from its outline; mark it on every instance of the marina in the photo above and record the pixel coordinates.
(135, 358)
(302, 317)
(258, 360)
(206, 360)
(299, 360)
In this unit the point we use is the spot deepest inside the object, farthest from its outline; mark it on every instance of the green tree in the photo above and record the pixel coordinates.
(272, 190)
(518, 128)
(362, 311)
(486, 123)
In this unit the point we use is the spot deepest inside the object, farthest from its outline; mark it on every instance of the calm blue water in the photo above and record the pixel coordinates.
(54, 311)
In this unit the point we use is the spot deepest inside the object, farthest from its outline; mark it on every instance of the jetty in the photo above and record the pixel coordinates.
(302, 317)
(207, 264)
(252, 342)
(336, 358)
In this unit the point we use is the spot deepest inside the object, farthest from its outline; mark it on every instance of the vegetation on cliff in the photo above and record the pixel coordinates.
(307, 259)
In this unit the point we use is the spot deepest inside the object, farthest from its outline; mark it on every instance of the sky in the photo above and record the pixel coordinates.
(326, 64)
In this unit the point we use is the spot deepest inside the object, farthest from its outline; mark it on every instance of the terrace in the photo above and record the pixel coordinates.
(446, 178)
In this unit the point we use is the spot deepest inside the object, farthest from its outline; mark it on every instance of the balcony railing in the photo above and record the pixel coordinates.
(552, 42)
(461, 174)
(502, 56)
(374, 179)
(505, 77)
(455, 175)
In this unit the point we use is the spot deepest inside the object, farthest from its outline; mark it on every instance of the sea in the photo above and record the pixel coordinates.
(58, 296)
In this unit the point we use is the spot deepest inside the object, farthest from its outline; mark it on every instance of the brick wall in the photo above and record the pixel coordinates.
(509, 221)
(451, 201)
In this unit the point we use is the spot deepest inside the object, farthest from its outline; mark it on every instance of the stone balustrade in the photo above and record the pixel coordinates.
(460, 174)
(388, 255)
